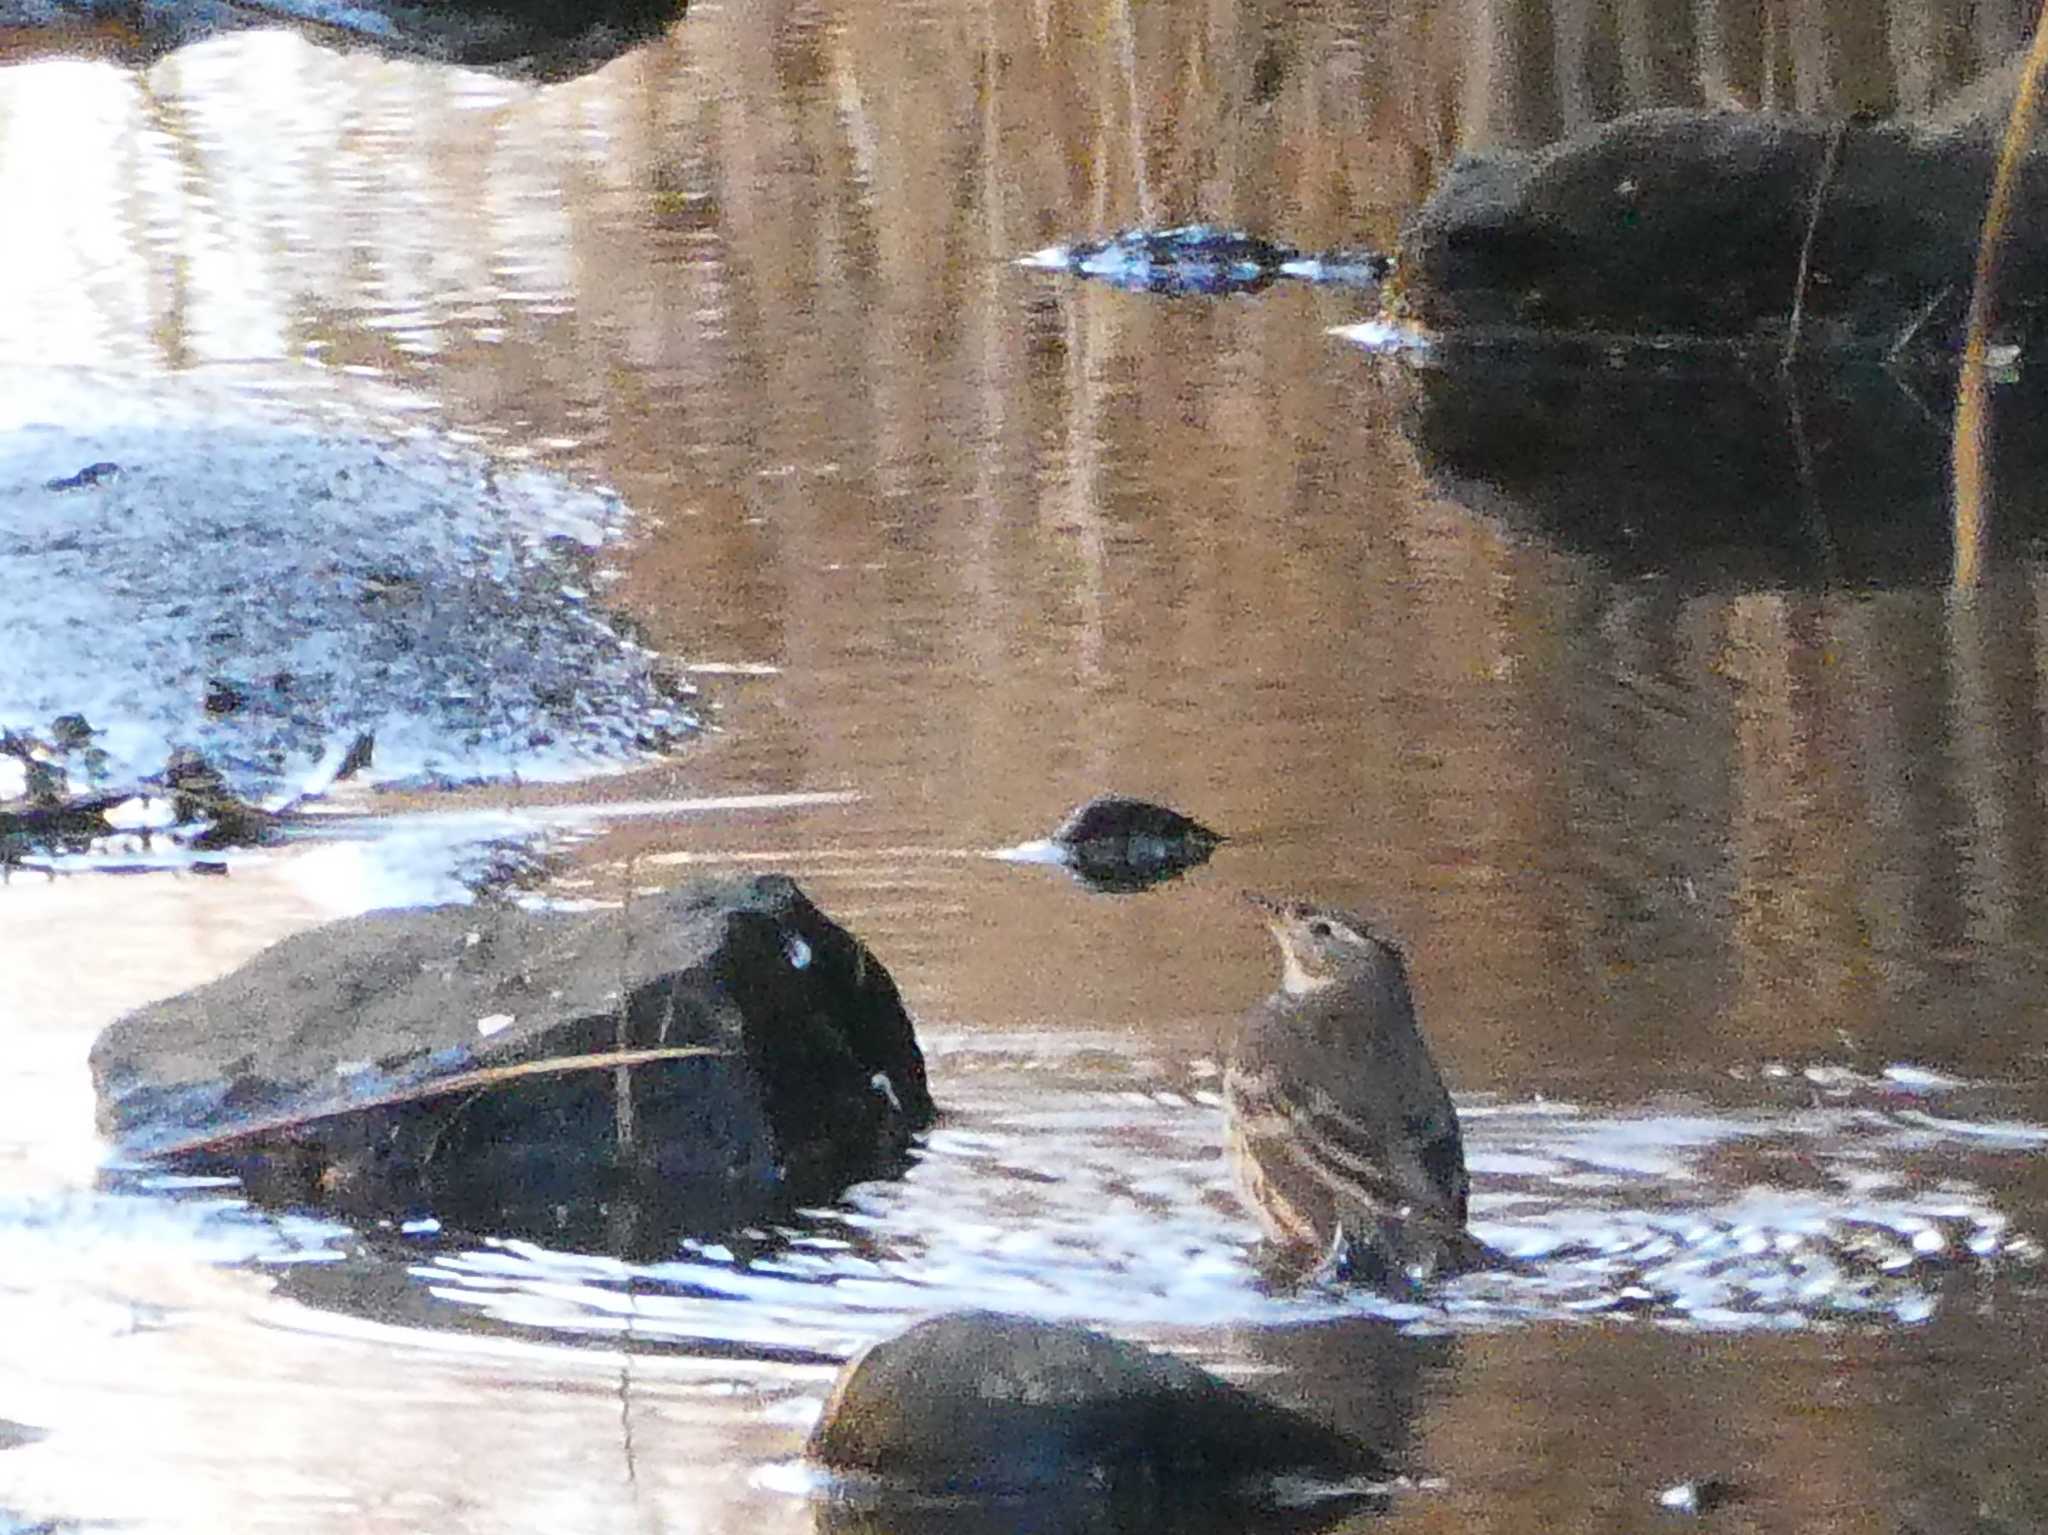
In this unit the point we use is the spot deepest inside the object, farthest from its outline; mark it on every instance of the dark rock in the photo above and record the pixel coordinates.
(982, 1404)
(1118, 844)
(85, 479)
(441, 1060)
(1203, 259)
(224, 697)
(361, 753)
(1688, 226)
(13, 1435)
(201, 795)
(71, 732)
(537, 38)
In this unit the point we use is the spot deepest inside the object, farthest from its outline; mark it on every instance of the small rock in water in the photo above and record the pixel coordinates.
(1702, 1495)
(13, 1434)
(979, 1403)
(1203, 259)
(1119, 844)
(89, 476)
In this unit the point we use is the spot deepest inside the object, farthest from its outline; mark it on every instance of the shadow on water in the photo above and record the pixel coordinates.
(1084, 1509)
(1719, 476)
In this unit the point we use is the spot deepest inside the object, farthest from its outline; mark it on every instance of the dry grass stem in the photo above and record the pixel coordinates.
(1970, 436)
(1821, 184)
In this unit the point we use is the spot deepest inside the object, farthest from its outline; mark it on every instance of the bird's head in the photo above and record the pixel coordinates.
(1321, 947)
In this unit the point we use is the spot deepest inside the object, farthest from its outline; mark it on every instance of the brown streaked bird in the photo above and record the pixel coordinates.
(1342, 1135)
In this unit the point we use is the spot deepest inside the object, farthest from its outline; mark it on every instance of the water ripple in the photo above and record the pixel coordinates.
(1074, 1183)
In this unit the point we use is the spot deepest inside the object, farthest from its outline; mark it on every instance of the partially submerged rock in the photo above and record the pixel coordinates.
(1690, 227)
(467, 1062)
(1204, 259)
(1116, 843)
(980, 1404)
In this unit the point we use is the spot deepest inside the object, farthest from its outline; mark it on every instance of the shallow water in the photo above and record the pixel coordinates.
(1724, 895)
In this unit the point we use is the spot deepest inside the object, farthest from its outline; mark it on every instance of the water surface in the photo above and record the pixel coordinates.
(1723, 896)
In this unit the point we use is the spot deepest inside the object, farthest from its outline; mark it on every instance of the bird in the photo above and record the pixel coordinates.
(1339, 1128)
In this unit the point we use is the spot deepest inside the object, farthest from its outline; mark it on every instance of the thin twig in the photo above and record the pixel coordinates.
(484, 1077)
(1820, 191)
(1917, 324)
(622, 1081)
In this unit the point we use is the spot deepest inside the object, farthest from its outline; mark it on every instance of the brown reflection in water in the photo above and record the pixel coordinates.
(1816, 1433)
(1796, 941)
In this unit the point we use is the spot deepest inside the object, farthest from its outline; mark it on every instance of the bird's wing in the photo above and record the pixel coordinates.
(1442, 1161)
(1312, 1164)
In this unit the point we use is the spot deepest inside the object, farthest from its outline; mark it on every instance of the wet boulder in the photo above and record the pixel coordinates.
(1116, 843)
(696, 1061)
(1690, 227)
(981, 1404)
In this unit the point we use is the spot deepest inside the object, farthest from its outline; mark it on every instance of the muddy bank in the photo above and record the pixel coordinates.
(189, 569)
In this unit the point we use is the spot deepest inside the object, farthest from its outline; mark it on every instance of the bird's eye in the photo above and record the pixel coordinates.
(1320, 928)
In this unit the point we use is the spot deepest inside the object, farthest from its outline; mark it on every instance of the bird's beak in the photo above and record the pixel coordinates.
(1279, 914)
(1273, 910)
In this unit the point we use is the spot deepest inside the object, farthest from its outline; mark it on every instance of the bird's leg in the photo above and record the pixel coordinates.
(1373, 1261)
(1337, 1265)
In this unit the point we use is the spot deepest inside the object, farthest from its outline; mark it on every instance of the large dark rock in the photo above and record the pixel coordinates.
(1689, 225)
(980, 1404)
(369, 1065)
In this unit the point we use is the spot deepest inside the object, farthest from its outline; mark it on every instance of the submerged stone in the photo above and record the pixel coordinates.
(1119, 844)
(1204, 259)
(462, 1061)
(980, 1404)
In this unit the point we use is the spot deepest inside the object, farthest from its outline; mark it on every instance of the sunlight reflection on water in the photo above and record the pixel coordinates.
(1074, 1185)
